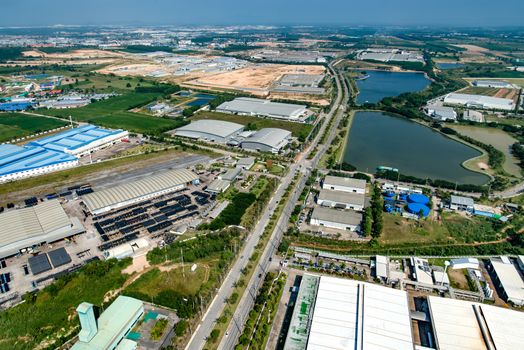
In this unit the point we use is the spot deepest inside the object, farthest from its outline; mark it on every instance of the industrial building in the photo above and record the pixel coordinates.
(498, 84)
(134, 192)
(218, 186)
(264, 108)
(507, 278)
(21, 162)
(421, 271)
(332, 218)
(245, 163)
(300, 83)
(461, 203)
(267, 140)
(341, 314)
(46, 222)
(344, 184)
(480, 101)
(464, 263)
(82, 140)
(441, 113)
(108, 332)
(210, 130)
(463, 325)
(473, 116)
(390, 55)
(231, 175)
(341, 200)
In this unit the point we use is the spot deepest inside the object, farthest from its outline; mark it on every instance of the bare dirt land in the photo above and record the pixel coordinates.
(131, 69)
(76, 54)
(320, 100)
(472, 48)
(256, 79)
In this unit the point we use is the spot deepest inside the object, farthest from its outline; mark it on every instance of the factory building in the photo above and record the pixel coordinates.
(21, 162)
(473, 116)
(245, 163)
(210, 130)
(498, 84)
(441, 113)
(344, 184)
(231, 175)
(479, 101)
(218, 186)
(110, 329)
(82, 140)
(264, 108)
(332, 218)
(341, 314)
(267, 140)
(461, 203)
(341, 200)
(508, 279)
(464, 263)
(303, 80)
(136, 191)
(46, 222)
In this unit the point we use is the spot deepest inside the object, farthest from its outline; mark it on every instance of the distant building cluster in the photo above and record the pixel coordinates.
(390, 55)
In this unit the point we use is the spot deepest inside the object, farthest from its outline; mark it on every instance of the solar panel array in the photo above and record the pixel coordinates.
(39, 264)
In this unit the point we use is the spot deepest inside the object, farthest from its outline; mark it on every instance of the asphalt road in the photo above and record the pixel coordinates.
(304, 166)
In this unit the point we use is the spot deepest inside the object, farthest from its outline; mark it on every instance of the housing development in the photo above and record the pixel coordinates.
(280, 187)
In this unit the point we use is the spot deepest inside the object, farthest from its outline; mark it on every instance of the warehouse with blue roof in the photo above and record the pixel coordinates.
(52, 153)
(82, 140)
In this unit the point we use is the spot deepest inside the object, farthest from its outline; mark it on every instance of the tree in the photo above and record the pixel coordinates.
(128, 85)
(367, 222)
(180, 328)
(377, 203)
(213, 337)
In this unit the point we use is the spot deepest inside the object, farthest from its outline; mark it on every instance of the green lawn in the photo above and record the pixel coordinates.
(299, 130)
(15, 125)
(44, 318)
(113, 113)
(401, 230)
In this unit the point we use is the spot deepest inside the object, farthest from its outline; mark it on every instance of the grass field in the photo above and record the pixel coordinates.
(497, 138)
(113, 113)
(185, 282)
(16, 125)
(297, 129)
(485, 91)
(42, 319)
(400, 230)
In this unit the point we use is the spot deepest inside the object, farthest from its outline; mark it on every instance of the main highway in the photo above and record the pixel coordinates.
(303, 167)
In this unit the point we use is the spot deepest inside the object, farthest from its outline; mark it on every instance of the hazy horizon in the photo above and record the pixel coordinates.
(408, 13)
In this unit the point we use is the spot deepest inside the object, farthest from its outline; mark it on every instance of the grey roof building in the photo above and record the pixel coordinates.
(45, 222)
(461, 203)
(309, 80)
(246, 163)
(264, 108)
(343, 220)
(340, 199)
(267, 140)
(345, 184)
(441, 113)
(210, 130)
(218, 186)
(136, 191)
(231, 174)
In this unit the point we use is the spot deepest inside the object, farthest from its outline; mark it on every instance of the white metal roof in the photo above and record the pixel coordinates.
(354, 315)
(45, 222)
(463, 325)
(342, 197)
(137, 189)
(213, 127)
(510, 279)
(462, 200)
(344, 181)
(262, 107)
(272, 137)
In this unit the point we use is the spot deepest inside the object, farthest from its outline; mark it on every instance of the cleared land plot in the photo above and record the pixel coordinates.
(256, 78)
(113, 113)
(400, 230)
(16, 125)
(493, 92)
(498, 139)
(299, 130)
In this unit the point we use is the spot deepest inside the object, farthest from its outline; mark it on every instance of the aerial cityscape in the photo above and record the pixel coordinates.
(287, 175)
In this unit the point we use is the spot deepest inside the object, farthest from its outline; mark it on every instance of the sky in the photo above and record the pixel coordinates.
(449, 13)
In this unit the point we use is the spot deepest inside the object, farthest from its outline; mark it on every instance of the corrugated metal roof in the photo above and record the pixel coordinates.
(262, 107)
(510, 279)
(217, 128)
(346, 217)
(40, 220)
(14, 159)
(462, 200)
(345, 182)
(272, 137)
(342, 197)
(133, 190)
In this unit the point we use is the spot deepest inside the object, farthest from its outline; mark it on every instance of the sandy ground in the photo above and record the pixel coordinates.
(483, 165)
(319, 100)
(76, 54)
(139, 264)
(472, 48)
(254, 78)
(133, 69)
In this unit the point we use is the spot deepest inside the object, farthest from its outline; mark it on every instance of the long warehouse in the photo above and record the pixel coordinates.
(480, 101)
(341, 314)
(43, 223)
(153, 186)
(210, 130)
(264, 108)
(267, 140)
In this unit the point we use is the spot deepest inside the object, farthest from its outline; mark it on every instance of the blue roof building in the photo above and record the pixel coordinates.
(18, 162)
(79, 140)
(14, 106)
